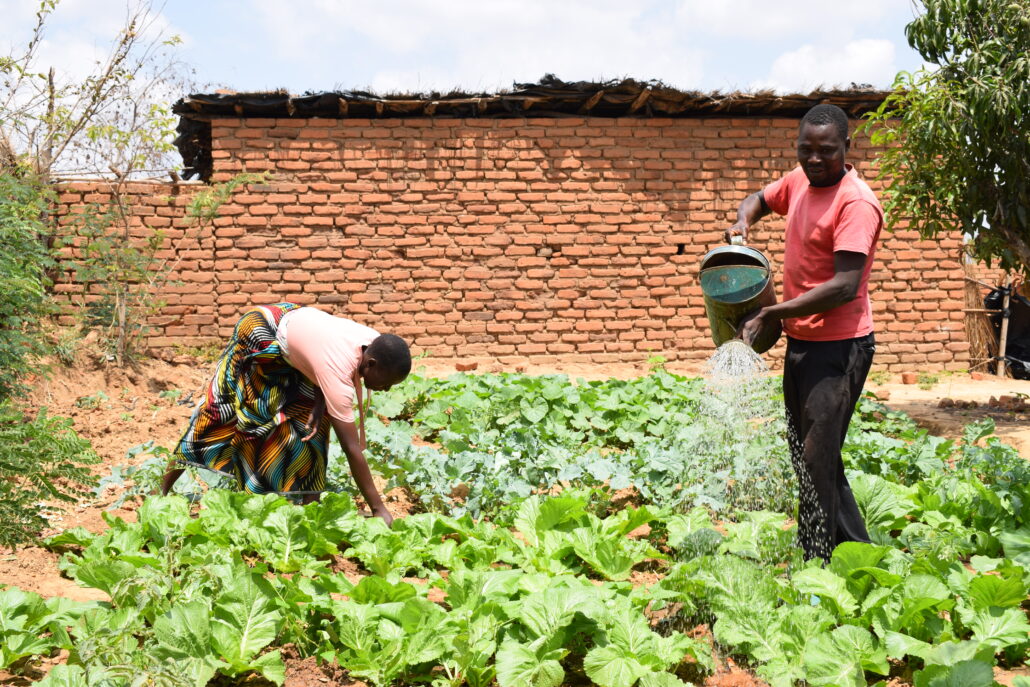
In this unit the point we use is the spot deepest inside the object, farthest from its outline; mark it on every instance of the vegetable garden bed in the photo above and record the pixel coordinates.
(529, 568)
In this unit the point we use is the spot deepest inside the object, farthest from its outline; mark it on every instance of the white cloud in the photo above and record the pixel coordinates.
(865, 61)
(764, 20)
(418, 45)
(423, 45)
(78, 34)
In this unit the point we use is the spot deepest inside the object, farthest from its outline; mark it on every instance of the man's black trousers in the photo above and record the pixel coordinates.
(822, 381)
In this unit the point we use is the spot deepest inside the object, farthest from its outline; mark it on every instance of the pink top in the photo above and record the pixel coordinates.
(326, 349)
(821, 221)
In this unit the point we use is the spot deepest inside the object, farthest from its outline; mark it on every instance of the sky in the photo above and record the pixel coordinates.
(488, 45)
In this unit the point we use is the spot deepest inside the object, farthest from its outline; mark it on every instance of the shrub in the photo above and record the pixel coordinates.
(41, 460)
(25, 259)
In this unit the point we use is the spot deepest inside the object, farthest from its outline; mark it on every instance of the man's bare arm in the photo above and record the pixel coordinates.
(752, 209)
(840, 289)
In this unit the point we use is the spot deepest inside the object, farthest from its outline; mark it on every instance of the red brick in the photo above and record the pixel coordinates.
(521, 239)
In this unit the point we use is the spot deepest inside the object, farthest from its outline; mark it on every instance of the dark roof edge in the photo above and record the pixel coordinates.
(550, 97)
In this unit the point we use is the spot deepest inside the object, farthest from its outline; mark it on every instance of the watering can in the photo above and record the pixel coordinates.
(737, 280)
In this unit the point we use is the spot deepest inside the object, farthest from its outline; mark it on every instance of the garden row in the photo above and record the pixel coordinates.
(559, 584)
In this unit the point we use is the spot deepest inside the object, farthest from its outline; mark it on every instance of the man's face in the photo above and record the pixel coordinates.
(821, 153)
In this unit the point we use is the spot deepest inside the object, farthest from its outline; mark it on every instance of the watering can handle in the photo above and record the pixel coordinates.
(736, 240)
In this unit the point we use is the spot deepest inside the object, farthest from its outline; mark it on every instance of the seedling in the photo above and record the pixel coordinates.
(92, 401)
(927, 380)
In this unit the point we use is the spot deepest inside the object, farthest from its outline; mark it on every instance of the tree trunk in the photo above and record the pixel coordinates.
(1019, 247)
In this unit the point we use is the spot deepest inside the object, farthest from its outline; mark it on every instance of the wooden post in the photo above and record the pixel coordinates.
(1004, 327)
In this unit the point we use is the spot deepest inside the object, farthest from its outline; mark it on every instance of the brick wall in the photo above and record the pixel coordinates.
(532, 240)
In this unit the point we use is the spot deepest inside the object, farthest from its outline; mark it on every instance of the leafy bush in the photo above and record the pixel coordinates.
(41, 459)
(24, 261)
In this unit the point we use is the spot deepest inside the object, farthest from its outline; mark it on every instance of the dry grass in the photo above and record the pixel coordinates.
(983, 345)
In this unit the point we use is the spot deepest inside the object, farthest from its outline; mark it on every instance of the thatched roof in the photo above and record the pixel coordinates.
(550, 97)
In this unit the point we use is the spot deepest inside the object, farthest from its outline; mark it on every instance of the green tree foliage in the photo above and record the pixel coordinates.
(958, 131)
(24, 261)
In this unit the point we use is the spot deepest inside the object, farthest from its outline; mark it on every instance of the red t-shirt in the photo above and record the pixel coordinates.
(821, 221)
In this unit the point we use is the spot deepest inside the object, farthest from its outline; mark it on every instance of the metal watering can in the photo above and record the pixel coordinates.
(735, 281)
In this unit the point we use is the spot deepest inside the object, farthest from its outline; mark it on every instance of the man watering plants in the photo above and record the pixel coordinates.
(286, 376)
(833, 224)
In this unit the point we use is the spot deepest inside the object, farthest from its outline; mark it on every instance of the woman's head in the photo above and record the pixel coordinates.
(385, 362)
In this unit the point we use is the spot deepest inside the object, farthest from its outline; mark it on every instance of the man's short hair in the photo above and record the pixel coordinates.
(824, 114)
(391, 352)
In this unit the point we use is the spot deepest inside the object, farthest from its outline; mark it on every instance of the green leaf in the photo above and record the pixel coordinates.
(283, 538)
(519, 666)
(661, 679)
(18, 645)
(245, 619)
(608, 666)
(883, 504)
(995, 590)
(76, 537)
(377, 590)
(1017, 546)
(271, 667)
(612, 557)
(901, 645)
(850, 557)
(546, 612)
(65, 676)
(162, 516)
(533, 411)
(840, 658)
(185, 631)
(922, 597)
(471, 589)
(536, 515)
(626, 520)
(963, 674)
(104, 573)
(1001, 627)
(826, 585)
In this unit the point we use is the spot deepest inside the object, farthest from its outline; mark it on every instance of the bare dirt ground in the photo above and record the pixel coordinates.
(924, 405)
(118, 409)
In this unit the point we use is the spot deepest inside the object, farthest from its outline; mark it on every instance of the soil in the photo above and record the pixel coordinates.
(1006, 677)
(730, 675)
(118, 409)
(924, 405)
(35, 570)
(306, 672)
(121, 408)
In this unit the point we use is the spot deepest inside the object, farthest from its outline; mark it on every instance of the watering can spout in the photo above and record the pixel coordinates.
(736, 280)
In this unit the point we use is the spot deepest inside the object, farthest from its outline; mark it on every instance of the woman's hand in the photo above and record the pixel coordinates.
(383, 513)
(315, 418)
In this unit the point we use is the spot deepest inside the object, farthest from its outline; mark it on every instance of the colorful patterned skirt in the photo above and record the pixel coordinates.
(252, 420)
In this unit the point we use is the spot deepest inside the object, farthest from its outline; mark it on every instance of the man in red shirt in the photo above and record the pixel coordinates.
(833, 224)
